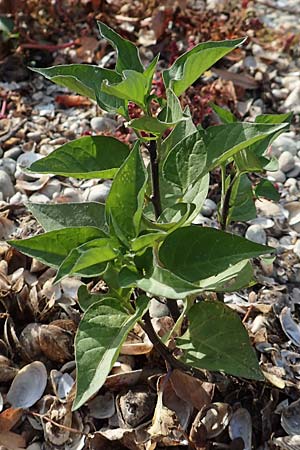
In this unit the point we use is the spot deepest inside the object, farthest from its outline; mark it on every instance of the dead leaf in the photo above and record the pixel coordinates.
(191, 390)
(9, 418)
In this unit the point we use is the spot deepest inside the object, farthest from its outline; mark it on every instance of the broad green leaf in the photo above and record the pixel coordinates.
(86, 157)
(149, 73)
(225, 115)
(146, 240)
(194, 253)
(162, 282)
(133, 87)
(52, 248)
(274, 118)
(266, 189)
(177, 214)
(86, 298)
(192, 64)
(126, 197)
(89, 259)
(224, 141)
(86, 79)
(196, 195)
(101, 333)
(168, 117)
(186, 161)
(217, 340)
(63, 215)
(181, 130)
(127, 53)
(242, 206)
(247, 161)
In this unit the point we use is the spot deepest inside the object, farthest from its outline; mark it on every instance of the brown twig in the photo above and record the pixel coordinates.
(173, 362)
(58, 425)
(155, 197)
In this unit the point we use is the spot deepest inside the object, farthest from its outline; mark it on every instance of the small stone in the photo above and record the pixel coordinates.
(286, 162)
(286, 242)
(257, 50)
(39, 198)
(13, 152)
(45, 110)
(158, 309)
(277, 176)
(280, 94)
(9, 165)
(34, 136)
(26, 159)
(292, 103)
(291, 184)
(6, 186)
(99, 192)
(18, 197)
(103, 124)
(295, 171)
(72, 194)
(53, 187)
(285, 142)
(272, 242)
(296, 248)
(208, 208)
(256, 233)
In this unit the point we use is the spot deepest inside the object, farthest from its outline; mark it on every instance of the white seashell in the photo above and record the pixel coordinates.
(289, 326)
(28, 386)
(288, 442)
(102, 406)
(1, 402)
(216, 418)
(240, 426)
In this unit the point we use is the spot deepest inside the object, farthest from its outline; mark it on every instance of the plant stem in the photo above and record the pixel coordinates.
(168, 356)
(155, 197)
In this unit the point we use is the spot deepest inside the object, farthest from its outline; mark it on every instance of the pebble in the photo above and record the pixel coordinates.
(285, 142)
(26, 159)
(256, 233)
(286, 162)
(208, 208)
(103, 124)
(296, 248)
(292, 102)
(18, 197)
(280, 94)
(291, 184)
(99, 192)
(72, 194)
(13, 152)
(9, 166)
(286, 242)
(34, 136)
(53, 187)
(158, 309)
(39, 198)
(273, 242)
(6, 186)
(295, 171)
(277, 176)
(45, 110)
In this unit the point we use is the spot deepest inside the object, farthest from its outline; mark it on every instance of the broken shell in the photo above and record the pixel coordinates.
(240, 426)
(7, 371)
(288, 442)
(137, 343)
(30, 341)
(289, 326)
(62, 384)
(135, 407)
(121, 380)
(56, 343)
(28, 386)
(102, 406)
(215, 418)
(290, 418)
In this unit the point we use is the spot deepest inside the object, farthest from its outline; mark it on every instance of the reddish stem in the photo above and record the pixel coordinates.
(3, 109)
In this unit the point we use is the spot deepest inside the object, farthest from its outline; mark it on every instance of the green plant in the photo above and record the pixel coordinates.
(142, 242)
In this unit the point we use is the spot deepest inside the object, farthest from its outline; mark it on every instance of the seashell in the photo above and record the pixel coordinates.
(62, 384)
(137, 343)
(30, 341)
(7, 371)
(122, 380)
(288, 442)
(289, 326)
(102, 406)
(56, 343)
(215, 418)
(28, 385)
(240, 426)
(135, 407)
(1, 402)
(290, 418)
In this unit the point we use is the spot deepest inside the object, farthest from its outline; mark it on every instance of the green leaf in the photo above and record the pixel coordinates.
(134, 87)
(186, 160)
(266, 189)
(86, 157)
(196, 195)
(146, 240)
(85, 79)
(274, 118)
(192, 64)
(234, 278)
(194, 253)
(149, 73)
(242, 206)
(126, 197)
(88, 259)
(127, 53)
(86, 299)
(52, 248)
(224, 141)
(101, 333)
(225, 115)
(63, 215)
(247, 161)
(217, 340)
